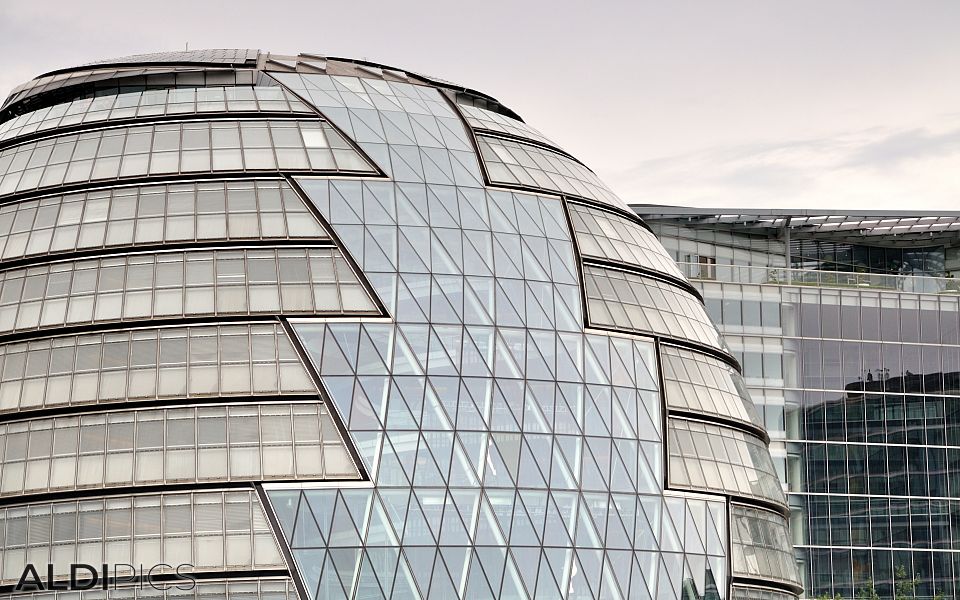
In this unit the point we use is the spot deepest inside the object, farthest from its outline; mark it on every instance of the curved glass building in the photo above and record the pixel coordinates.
(318, 328)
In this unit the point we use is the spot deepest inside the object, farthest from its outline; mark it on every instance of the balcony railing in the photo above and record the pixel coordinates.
(918, 284)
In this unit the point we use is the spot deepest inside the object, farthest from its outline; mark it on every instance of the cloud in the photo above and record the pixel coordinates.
(874, 168)
(915, 144)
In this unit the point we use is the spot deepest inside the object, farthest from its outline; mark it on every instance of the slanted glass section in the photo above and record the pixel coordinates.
(606, 235)
(712, 458)
(675, 544)
(702, 384)
(761, 545)
(743, 592)
(492, 425)
(173, 445)
(201, 211)
(481, 118)
(632, 302)
(180, 284)
(153, 103)
(510, 162)
(265, 588)
(177, 148)
(411, 131)
(144, 365)
(212, 531)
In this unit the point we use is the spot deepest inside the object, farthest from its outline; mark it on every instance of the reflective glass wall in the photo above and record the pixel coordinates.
(858, 383)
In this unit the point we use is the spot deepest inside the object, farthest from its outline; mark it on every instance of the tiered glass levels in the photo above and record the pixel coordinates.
(332, 329)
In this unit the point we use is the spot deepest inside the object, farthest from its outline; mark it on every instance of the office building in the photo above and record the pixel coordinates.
(848, 329)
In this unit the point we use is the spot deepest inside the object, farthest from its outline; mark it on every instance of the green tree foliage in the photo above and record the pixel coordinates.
(905, 587)
(868, 592)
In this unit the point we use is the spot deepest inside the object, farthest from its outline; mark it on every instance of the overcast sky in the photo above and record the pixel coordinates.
(812, 103)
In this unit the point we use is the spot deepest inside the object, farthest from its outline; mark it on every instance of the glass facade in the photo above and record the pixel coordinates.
(853, 358)
(327, 329)
(155, 214)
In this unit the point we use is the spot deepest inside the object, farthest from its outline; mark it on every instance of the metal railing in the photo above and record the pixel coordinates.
(918, 284)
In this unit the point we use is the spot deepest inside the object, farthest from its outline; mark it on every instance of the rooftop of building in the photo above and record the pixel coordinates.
(226, 59)
(859, 226)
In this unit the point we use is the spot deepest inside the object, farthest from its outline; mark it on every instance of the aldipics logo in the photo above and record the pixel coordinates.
(82, 576)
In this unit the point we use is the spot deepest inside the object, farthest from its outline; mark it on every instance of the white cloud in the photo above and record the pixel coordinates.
(917, 168)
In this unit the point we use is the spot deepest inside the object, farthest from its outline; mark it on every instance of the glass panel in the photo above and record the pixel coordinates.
(207, 589)
(179, 284)
(150, 364)
(742, 592)
(481, 118)
(151, 103)
(710, 457)
(515, 163)
(173, 445)
(150, 529)
(632, 302)
(190, 211)
(270, 588)
(171, 148)
(761, 545)
(703, 384)
(606, 235)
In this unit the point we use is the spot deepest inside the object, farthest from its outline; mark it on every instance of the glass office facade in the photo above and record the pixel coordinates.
(853, 359)
(328, 329)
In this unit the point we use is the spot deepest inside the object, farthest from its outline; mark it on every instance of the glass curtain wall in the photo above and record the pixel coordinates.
(858, 386)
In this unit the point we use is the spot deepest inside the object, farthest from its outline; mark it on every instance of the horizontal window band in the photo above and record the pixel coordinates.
(495, 185)
(904, 549)
(162, 248)
(610, 208)
(132, 287)
(841, 395)
(762, 591)
(606, 263)
(232, 522)
(137, 216)
(107, 492)
(779, 509)
(172, 578)
(54, 85)
(245, 116)
(711, 420)
(161, 322)
(172, 178)
(182, 147)
(679, 342)
(173, 444)
(753, 430)
(512, 163)
(619, 299)
(707, 457)
(761, 546)
(868, 497)
(174, 118)
(868, 444)
(493, 133)
(767, 583)
(702, 384)
(153, 489)
(135, 405)
(126, 488)
(145, 101)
